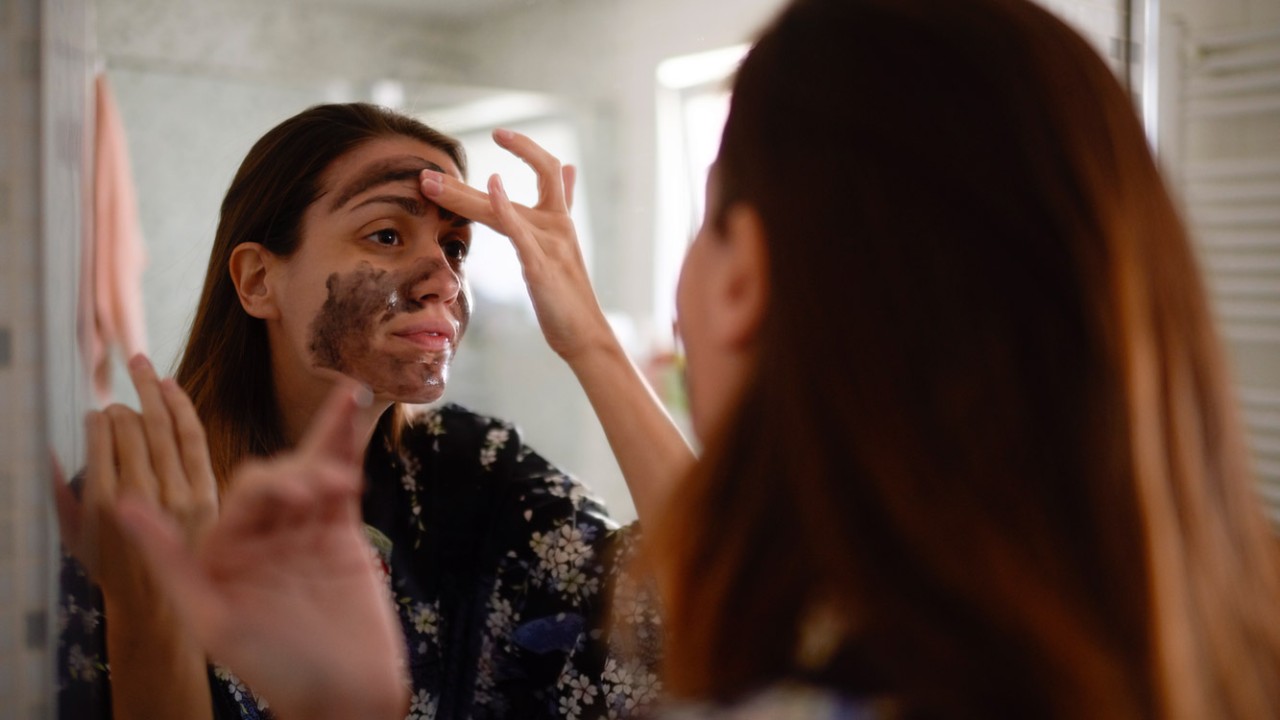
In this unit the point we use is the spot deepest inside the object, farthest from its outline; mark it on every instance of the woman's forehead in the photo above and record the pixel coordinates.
(381, 162)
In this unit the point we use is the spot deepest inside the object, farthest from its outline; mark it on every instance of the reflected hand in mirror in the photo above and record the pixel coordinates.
(160, 456)
(284, 588)
(544, 239)
(648, 447)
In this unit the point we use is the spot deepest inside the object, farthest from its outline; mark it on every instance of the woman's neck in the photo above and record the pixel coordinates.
(300, 401)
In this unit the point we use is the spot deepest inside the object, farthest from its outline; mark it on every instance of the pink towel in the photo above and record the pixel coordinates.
(115, 257)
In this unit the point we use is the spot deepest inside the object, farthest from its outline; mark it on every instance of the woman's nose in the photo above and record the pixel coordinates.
(436, 279)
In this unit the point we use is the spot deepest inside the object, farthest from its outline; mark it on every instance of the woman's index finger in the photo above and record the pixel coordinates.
(547, 167)
(158, 422)
(456, 196)
(333, 432)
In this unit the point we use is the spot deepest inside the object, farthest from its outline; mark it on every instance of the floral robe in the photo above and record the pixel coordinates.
(504, 572)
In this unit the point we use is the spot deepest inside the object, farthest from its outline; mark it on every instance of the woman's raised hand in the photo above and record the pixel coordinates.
(545, 241)
(159, 454)
(647, 444)
(283, 589)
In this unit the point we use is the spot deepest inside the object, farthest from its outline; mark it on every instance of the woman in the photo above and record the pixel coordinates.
(329, 263)
(970, 443)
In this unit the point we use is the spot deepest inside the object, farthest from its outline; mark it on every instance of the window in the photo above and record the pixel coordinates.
(693, 102)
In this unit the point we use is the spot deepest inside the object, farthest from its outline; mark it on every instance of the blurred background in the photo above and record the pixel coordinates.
(632, 91)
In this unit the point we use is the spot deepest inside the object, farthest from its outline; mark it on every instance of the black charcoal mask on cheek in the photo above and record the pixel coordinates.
(358, 303)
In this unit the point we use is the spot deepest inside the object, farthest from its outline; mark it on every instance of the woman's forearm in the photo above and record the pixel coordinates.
(650, 449)
(158, 670)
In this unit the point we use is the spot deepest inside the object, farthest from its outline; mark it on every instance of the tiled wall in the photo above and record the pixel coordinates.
(21, 579)
(42, 73)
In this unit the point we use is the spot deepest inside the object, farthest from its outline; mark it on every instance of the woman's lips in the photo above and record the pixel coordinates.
(430, 342)
(432, 336)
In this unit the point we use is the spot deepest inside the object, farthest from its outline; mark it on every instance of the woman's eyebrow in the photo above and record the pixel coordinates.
(382, 173)
(413, 206)
(417, 208)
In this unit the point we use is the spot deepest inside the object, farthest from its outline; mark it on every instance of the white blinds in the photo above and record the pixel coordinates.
(1230, 172)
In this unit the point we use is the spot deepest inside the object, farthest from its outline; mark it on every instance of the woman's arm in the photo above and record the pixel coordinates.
(649, 448)
(158, 670)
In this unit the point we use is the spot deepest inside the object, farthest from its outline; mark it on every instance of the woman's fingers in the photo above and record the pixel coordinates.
(100, 486)
(551, 194)
(458, 197)
(101, 480)
(70, 527)
(192, 444)
(332, 434)
(162, 445)
(131, 452)
(569, 174)
(163, 549)
(263, 496)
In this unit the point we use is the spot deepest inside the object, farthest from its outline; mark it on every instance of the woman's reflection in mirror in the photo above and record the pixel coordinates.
(971, 450)
(329, 262)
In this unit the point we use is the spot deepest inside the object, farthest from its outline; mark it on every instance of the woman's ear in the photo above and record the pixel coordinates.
(743, 277)
(250, 268)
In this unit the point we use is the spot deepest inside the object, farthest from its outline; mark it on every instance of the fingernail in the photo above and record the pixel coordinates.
(363, 396)
(139, 362)
(431, 184)
(495, 186)
(503, 135)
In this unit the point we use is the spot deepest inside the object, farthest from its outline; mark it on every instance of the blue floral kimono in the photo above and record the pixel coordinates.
(502, 569)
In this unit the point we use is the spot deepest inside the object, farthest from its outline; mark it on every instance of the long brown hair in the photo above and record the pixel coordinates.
(226, 366)
(993, 447)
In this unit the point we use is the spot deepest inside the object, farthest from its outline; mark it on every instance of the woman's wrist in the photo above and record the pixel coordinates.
(149, 628)
(603, 352)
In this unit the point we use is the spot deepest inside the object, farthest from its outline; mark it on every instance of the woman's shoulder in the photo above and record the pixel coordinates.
(785, 702)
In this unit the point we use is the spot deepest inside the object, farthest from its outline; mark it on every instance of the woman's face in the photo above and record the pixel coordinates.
(706, 382)
(376, 290)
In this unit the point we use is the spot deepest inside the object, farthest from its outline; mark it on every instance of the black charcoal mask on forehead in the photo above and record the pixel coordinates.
(358, 303)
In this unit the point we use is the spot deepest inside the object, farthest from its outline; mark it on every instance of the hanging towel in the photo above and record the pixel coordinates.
(115, 256)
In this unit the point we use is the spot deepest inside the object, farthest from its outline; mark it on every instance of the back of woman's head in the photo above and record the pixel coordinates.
(991, 433)
(226, 366)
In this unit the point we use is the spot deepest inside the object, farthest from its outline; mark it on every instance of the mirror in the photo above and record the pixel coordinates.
(197, 85)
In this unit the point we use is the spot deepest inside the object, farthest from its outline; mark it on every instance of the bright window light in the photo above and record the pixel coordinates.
(701, 68)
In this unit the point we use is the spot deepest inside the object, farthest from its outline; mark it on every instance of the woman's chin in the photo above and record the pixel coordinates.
(423, 398)
(413, 393)
(419, 384)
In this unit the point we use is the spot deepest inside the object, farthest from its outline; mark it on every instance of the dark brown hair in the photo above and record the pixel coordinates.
(226, 367)
(995, 446)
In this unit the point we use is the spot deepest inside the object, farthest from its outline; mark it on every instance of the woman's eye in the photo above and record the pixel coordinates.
(386, 238)
(455, 249)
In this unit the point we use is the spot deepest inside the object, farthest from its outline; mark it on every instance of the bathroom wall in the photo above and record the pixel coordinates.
(44, 51)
